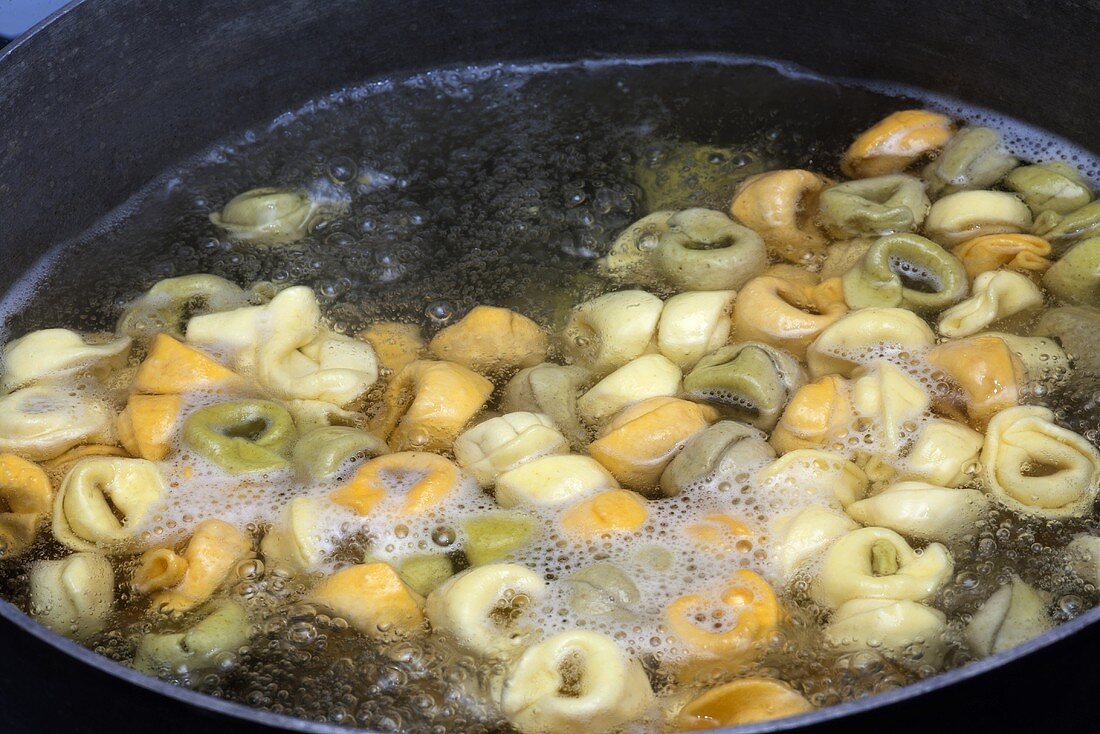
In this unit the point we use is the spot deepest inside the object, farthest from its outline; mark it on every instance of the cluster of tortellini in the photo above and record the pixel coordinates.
(861, 355)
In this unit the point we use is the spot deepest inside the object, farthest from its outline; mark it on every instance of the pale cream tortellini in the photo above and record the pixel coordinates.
(51, 354)
(805, 534)
(996, 295)
(840, 346)
(506, 442)
(693, 324)
(898, 628)
(648, 376)
(816, 473)
(923, 511)
(44, 421)
(266, 215)
(893, 400)
(966, 214)
(552, 480)
(482, 609)
(1084, 558)
(609, 331)
(945, 454)
(299, 539)
(1034, 466)
(1014, 614)
(573, 680)
(73, 596)
(104, 502)
(877, 563)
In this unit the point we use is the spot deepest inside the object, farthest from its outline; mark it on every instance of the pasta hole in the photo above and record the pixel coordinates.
(571, 671)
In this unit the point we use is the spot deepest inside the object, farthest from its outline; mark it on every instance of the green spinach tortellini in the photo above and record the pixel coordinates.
(1050, 187)
(973, 159)
(241, 436)
(1075, 278)
(906, 270)
(751, 381)
(872, 207)
(210, 642)
(705, 250)
(320, 452)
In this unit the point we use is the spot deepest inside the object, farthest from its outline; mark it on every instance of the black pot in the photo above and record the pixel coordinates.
(103, 96)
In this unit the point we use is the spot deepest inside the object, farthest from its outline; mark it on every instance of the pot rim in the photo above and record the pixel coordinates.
(285, 722)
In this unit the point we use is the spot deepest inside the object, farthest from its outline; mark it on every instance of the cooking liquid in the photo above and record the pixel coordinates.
(502, 185)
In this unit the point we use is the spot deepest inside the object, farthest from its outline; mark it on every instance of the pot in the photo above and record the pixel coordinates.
(102, 97)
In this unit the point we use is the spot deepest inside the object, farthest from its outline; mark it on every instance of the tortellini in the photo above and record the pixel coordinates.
(905, 270)
(26, 497)
(241, 436)
(816, 473)
(549, 389)
(212, 554)
(495, 536)
(787, 314)
(877, 563)
(648, 376)
(609, 331)
(1075, 278)
(996, 295)
(945, 454)
(395, 344)
(923, 511)
(428, 404)
(750, 381)
(147, 426)
(805, 534)
(1077, 329)
(1049, 187)
(266, 215)
(320, 452)
(781, 206)
(631, 254)
(639, 442)
(51, 354)
(892, 400)
(743, 701)
(874, 206)
(1014, 614)
(973, 159)
(577, 679)
(1063, 231)
(373, 599)
(506, 442)
(44, 421)
(209, 643)
(817, 416)
(1025, 253)
(724, 448)
(840, 346)
(552, 480)
(896, 142)
(170, 303)
(967, 214)
(903, 629)
(753, 609)
(73, 596)
(1034, 466)
(172, 367)
(482, 609)
(603, 589)
(693, 324)
(299, 539)
(104, 501)
(491, 340)
(388, 476)
(704, 249)
(606, 514)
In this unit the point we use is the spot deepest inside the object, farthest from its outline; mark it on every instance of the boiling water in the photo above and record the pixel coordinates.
(499, 185)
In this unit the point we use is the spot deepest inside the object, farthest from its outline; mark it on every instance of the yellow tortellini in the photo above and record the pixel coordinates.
(374, 599)
(104, 501)
(1034, 466)
(44, 421)
(506, 442)
(482, 609)
(743, 701)
(781, 207)
(209, 559)
(896, 142)
(267, 215)
(574, 680)
(51, 354)
(996, 295)
(1025, 253)
(817, 416)
(26, 497)
(785, 313)
(1014, 614)
(877, 563)
(491, 341)
(73, 596)
(923, 511)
